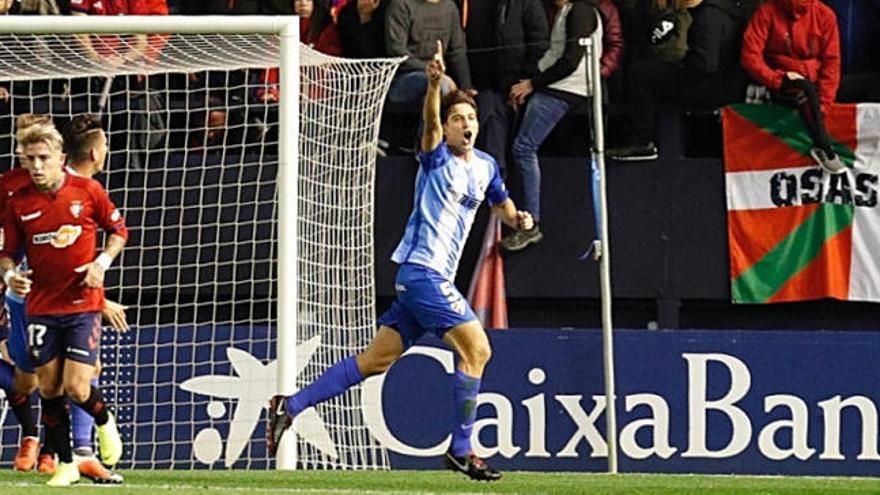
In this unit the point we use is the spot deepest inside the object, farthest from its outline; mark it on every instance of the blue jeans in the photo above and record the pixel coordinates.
(543, 112)
(410, 87)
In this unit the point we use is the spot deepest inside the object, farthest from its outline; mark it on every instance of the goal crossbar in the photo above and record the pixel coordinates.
(137, 24)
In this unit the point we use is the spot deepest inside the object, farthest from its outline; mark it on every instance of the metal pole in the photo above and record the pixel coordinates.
(288, 195)
(603, 251)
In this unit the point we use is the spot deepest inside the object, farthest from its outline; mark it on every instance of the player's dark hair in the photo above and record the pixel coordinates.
(452, 99)
(80, 135)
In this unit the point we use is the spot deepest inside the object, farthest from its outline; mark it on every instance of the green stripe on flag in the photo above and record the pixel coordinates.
(788, 126)
(794, 253)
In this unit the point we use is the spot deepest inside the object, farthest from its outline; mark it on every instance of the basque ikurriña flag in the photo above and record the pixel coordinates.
(795, 232)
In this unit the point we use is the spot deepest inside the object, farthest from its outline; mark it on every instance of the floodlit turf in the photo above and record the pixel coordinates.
(440, 482)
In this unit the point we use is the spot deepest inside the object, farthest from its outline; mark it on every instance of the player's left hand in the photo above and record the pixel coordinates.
(114, 313)
(94, 275)
(524, 220)
(4, 352)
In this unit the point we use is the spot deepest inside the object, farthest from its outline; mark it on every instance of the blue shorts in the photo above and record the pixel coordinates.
(425, 301)
(18, 342)
(75, 336)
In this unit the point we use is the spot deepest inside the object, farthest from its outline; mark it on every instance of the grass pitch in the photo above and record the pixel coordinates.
(435, 482)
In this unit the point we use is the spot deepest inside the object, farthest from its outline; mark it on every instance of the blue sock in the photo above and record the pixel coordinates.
(7, 378)
(81, 424)
(337, 379)
(464, 397)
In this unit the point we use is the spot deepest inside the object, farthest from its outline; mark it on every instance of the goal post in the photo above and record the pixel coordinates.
(250, 270)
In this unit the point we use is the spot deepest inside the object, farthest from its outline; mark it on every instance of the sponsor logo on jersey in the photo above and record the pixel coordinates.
(76, 208)
(65, 236)
(463, 199)
(32, 216)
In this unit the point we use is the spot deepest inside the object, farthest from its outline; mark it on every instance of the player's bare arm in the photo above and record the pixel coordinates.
(18, 282)
(114, 314)
(513, 218)
(94, 270)
(433, 133)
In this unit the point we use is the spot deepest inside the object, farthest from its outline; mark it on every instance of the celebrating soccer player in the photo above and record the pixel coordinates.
(452, 181)
(55, 220)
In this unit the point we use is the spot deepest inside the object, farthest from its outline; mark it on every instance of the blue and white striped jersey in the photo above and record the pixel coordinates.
(448, 192)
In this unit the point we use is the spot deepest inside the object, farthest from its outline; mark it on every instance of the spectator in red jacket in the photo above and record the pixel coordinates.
(110, 48)
(317, 28)
(612, 38)
(793, 48)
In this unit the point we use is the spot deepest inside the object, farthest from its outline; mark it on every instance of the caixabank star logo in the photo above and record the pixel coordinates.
(251, 389)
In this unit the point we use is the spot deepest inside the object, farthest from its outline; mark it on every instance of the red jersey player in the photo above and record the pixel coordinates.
(56, 220)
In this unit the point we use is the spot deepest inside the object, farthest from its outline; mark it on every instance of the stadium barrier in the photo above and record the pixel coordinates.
(793, 403)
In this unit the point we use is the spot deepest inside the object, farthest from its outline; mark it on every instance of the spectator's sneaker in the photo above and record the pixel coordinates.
(26, 457)
(47, 463)
(471, 466)
(66, 475)
(279, 422)
(634, 153)
(90, 468)
(519, 240)
(109, 442)
(829, 162)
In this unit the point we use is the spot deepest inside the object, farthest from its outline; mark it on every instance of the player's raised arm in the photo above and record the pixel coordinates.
(433, 128)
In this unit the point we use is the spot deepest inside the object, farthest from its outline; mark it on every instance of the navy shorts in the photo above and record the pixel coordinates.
(425, 302)
(75, 336)
(18, 341)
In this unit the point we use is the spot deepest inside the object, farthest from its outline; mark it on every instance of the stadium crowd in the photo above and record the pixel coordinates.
(521, 61)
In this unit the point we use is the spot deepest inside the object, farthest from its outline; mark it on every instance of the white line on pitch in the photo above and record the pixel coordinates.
(243, 489)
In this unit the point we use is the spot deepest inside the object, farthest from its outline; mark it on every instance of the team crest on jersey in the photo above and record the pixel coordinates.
(65, 236)
(76, 208)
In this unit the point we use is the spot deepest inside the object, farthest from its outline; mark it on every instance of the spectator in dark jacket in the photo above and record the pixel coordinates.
(708, 77)
(412, 29)
(559, 86)
(793, 48)
(262, 7)
(362, 28)
(505, 40)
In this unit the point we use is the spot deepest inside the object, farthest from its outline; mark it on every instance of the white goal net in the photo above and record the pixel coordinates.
(194, 143)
